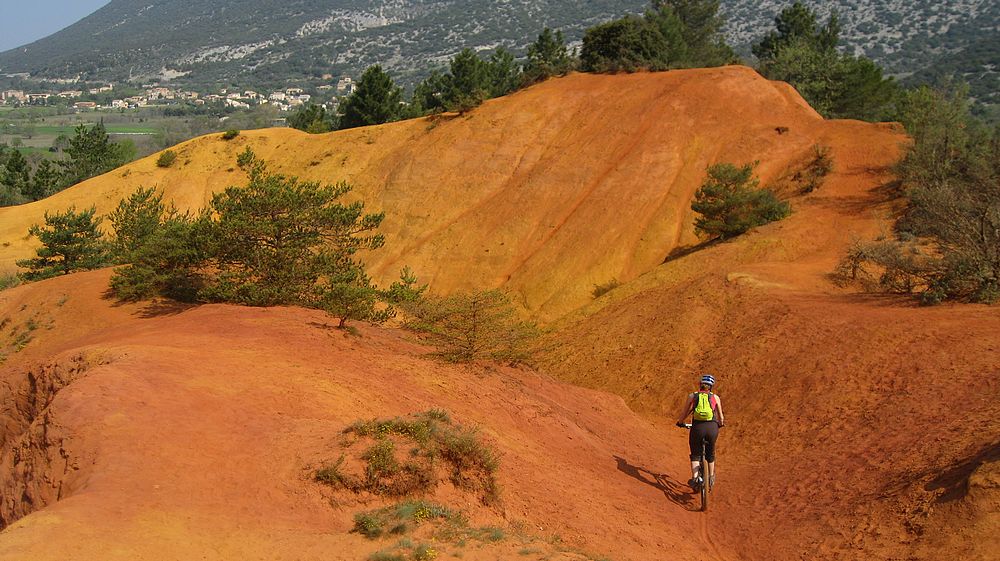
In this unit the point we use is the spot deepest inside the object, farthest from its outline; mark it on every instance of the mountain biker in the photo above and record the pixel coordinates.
(706, 410)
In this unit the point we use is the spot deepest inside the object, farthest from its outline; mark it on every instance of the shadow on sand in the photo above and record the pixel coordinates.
(676, 492)
(153, 308)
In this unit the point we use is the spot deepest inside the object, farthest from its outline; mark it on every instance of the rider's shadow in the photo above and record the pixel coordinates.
(673, 490)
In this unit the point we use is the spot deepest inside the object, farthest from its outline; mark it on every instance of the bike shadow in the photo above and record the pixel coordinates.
(675, 491)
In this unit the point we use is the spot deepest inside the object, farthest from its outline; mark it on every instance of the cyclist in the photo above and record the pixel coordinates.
(705, 409)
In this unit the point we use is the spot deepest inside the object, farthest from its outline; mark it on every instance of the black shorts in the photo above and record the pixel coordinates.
(707, 430)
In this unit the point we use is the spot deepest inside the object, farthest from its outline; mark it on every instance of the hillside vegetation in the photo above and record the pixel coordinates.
(270, 42)
(552, 165)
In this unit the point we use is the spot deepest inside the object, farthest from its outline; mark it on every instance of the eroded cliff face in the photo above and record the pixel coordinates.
(37, 465)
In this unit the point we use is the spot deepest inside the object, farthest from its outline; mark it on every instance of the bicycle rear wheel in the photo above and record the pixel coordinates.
(704, 480)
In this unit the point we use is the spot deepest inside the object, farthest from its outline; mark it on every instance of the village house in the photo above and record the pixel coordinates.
(345, 86)
(234, 95)
(293, 91)
(102, 89)
(212, 98)
(159, 93)
(39, 98)
(85, 105)
(250, 94)
(230, 102)
(13, 95)
(278, 96)
(70, 94)
(119, 104)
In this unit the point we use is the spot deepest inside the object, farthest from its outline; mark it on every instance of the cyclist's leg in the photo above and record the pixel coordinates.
(711, 434)
(694, 442)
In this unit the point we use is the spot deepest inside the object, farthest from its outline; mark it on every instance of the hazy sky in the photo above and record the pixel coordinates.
(24, 21)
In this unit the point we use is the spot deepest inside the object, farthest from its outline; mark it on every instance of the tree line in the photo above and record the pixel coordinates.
(89, 153)
(670, 34)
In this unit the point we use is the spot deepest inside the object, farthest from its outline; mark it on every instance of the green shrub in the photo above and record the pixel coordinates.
(401, 517)
(819, 167)
(386, 556)
(380, 464)
(602, 289)
(472, 326)
(424, 552)
(367, 525)
(730, 203)
(947, 245)
(9, 280)
(166, 159)
(230, 134)
(429, 438)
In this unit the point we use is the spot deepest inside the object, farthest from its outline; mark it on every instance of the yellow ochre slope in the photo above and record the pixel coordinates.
(547, 192)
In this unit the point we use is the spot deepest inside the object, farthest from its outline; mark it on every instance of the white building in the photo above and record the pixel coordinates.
(345, 86)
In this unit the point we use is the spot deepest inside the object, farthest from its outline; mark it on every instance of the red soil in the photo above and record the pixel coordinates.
(860, 427)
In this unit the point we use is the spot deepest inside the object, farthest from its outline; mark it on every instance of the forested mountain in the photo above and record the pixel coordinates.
(275, 41)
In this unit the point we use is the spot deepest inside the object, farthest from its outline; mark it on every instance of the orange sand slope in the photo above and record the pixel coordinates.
(860, 427)
(600, 168)
(191, 434)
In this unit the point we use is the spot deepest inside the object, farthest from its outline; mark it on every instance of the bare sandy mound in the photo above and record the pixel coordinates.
(165, 433)
(547, 191)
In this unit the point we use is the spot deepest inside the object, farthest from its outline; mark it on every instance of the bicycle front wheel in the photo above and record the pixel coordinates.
(705, 478)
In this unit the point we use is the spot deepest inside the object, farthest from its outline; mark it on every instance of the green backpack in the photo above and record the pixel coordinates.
(704, 406)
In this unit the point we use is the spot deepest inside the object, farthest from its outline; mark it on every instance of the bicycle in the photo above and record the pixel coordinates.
(703, 488)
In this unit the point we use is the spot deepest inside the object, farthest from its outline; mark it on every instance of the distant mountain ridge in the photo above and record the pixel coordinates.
(275, 41)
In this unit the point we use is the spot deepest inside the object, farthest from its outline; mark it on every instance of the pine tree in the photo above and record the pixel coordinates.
(547, 56)
(428, 95)
(467, 83)
(474, 325)
(278, 237)
(135, 220)
(730, 202)
(504, 73)
(797, 22)
(671, 34)
(701, 27)
(312, 119)
(71, 241)
(46, 181)
(18, 172)
(805, 55)
(375, 101)
(92, 153)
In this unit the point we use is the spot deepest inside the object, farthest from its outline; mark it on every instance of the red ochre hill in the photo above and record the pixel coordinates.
(860, 427)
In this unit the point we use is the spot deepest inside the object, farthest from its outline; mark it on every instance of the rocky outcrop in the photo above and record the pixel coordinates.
(36, 465)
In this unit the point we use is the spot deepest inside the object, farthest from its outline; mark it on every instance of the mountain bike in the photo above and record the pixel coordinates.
(704, 487)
